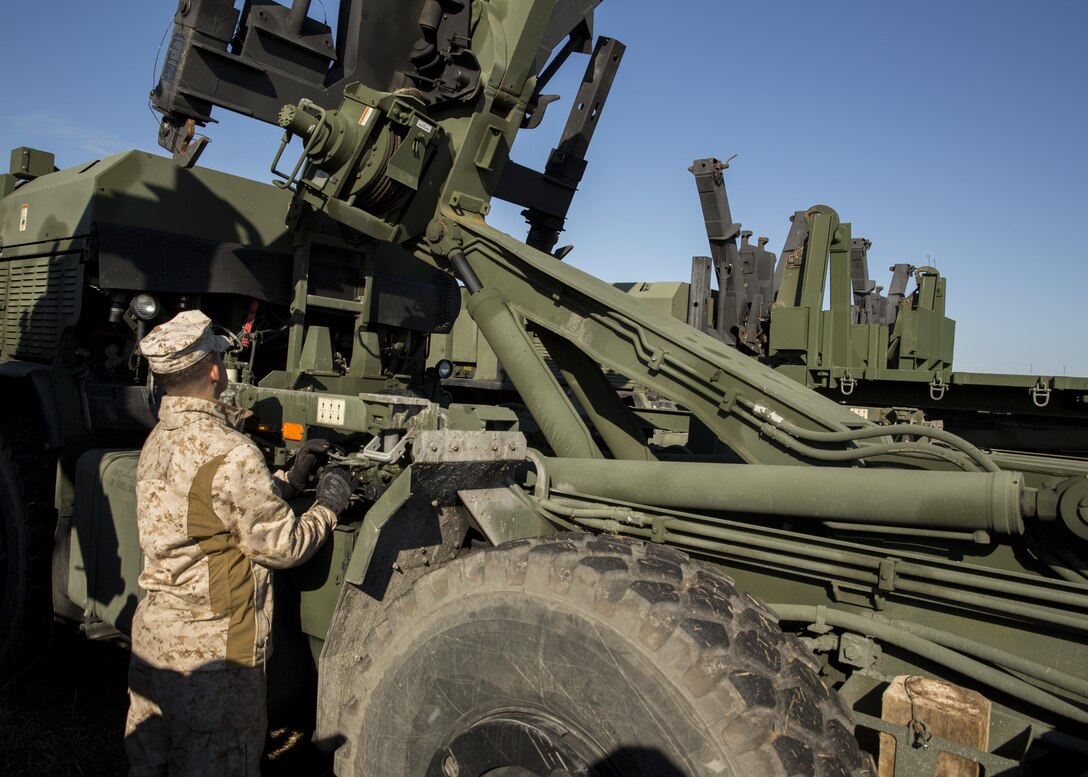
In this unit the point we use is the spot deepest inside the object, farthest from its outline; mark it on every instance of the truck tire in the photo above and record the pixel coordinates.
(578, 654)
(26, 534)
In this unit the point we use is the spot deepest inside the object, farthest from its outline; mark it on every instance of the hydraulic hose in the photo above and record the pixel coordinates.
(895, 634)
(768, 417)
(868, 451)
(1033, 669)
(995, 593)
(464, 271)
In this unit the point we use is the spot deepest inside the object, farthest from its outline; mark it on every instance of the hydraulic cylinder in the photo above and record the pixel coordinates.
(965, 501)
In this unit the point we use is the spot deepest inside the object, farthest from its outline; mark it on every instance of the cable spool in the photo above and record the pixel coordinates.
(383, 194)
(360, 148)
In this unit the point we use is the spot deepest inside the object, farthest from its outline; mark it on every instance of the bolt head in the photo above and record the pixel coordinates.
(436, 230)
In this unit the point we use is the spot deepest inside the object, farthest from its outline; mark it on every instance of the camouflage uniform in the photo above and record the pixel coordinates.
(212, 522)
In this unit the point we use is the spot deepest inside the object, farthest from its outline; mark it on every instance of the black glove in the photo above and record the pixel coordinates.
(334, 489)
(306, 463)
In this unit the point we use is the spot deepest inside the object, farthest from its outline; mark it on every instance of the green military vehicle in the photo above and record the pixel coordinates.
(886, 356)
(537, 587)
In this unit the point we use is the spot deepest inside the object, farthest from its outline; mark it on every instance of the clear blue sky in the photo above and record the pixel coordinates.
(948, 133)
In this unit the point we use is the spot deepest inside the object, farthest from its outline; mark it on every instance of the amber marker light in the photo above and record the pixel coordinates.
(292, 431)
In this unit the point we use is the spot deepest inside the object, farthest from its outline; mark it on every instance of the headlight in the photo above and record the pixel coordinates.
(144, 306)
(444, 368)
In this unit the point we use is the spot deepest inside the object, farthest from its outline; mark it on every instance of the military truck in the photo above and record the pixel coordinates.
(525, 588)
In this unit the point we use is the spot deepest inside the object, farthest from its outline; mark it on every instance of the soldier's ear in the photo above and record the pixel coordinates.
(217, 375)
(216, 371)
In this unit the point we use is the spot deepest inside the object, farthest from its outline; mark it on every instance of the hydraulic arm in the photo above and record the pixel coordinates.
(398, 169)
(254, 60)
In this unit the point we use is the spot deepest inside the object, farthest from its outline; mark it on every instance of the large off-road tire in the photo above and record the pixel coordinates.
(588, 655)
(26, 538)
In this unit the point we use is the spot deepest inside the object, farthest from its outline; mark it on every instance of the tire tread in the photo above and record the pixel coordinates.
(724, 648)
(27, 609)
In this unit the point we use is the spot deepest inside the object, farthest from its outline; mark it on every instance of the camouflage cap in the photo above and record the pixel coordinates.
(181, 342)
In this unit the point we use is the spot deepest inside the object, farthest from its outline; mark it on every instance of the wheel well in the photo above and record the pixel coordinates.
(27, 526)
(33, 401)
(31, 395)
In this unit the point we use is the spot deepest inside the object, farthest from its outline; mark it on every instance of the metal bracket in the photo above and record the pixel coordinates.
(439, 447)
(373, 450)
(937, 388)
(504, 514)
(1040, 394)
(923, 760)
(819, 626)
(921, 734)
(466, 202)
(182, 141)
(859, 596)
(886, 574)
(727, 402)
(856, 650)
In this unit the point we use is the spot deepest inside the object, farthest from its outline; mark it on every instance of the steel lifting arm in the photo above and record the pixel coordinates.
(732, 302)
(254, 60)
(655, 350)
(547, 197)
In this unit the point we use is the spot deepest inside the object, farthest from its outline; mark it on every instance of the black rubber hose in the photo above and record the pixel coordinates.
(464, 271)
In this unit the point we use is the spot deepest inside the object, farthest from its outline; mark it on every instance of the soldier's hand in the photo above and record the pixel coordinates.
(306, 463)
(334, 489)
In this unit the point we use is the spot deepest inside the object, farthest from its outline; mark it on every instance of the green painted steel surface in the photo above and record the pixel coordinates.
(892, 539)
(940, 500)
(105, 557)
(801, 500)
(140, 189)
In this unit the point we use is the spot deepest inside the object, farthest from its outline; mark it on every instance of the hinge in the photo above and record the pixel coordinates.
(859, 596)
(886, 574)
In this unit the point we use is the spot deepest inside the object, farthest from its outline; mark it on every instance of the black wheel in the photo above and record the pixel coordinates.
(587, 655)
(26, 537)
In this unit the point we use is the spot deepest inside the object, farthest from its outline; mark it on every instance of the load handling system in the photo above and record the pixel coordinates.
(717, 606)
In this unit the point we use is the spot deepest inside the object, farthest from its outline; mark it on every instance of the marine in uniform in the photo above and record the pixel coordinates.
(213, 523)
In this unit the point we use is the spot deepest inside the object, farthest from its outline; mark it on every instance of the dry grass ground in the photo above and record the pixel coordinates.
(64, 715)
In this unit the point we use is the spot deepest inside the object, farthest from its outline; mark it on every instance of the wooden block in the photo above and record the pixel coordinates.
(948, 711)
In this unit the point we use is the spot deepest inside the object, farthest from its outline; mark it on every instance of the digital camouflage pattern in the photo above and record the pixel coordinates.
(212, 524)
(180, 342)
